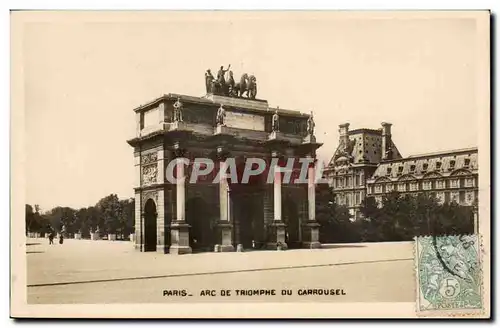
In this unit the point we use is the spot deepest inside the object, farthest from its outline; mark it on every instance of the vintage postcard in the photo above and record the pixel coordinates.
(250, 164)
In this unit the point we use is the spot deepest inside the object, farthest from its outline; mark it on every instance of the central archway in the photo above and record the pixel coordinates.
(150, 226)
(291, 219)
(201, 221)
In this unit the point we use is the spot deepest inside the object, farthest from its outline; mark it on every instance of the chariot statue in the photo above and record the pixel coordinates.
(246, 87)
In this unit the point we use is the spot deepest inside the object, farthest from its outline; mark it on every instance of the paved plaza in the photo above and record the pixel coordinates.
(84, 271)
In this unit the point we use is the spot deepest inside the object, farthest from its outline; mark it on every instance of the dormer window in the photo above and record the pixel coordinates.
(452, 164)
(467, 162)
(425, 166)
(438, 165)
(389, 170)
(400, 169)
(412, 168)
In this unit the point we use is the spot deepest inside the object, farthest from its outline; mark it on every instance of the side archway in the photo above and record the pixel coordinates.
(150, 215)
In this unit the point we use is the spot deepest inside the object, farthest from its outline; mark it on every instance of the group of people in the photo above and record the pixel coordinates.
(52, 235)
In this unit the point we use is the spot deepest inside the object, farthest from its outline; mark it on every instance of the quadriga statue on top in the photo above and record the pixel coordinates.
(246, 87)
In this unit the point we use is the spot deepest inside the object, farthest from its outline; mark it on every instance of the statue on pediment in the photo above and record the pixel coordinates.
(276, 121)
(221, 113)
(310, 124)
(177, 110)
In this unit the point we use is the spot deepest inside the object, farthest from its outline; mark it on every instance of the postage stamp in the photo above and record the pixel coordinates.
(448, 272)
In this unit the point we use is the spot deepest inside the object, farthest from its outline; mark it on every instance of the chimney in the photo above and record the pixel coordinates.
(386, 141)
(344, 134)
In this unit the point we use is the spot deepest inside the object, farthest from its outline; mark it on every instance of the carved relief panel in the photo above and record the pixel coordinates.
(149, 168)
(149, 174)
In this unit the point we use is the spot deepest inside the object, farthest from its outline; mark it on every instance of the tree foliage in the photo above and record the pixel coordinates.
(399, 217)
(110, 215)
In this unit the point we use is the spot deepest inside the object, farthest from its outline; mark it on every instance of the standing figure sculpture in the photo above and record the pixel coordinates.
(209, 78)
(221, 80)
(230, 84)
(178, 111)
(310, 125)
(221, 113)
(276, 121)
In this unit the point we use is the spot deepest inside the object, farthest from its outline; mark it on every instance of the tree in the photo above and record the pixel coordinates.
(62, 216)
(29, 218)
(127, 219)
(111, 212)
(335, 221)
(403, 216)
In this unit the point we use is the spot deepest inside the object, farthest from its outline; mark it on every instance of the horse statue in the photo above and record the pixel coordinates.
(219, 86)
(240, 87)
(252, 87)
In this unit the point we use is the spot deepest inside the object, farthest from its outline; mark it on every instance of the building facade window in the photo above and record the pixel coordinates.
(413, 186)
(427, 185)
(402, 187)
(378, 188)
(440, 184)
(455, 183)
(454, 196)
(358, 198)
(469, 182)
(389, 187)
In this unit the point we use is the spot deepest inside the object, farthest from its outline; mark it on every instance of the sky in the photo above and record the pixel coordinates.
(85, 73)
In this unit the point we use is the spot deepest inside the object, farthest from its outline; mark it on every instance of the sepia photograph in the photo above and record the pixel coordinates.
(250, 164)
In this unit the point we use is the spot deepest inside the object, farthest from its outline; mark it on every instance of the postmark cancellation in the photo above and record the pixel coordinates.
(449, 276)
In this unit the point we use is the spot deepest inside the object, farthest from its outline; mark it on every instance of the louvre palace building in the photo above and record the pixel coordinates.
(367, 163)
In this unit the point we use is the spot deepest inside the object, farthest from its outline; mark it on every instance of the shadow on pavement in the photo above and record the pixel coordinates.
(326, 246)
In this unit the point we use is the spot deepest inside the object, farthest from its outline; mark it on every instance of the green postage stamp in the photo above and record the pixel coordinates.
(449, 276)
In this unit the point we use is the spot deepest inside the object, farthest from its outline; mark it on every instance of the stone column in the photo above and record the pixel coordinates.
(475, 210)
(161, 246)
(139, 222)
(179, 227)
(311, 228)
(225, 225)
(278, 226)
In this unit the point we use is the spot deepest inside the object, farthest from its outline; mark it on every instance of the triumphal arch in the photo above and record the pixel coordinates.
(217, 211)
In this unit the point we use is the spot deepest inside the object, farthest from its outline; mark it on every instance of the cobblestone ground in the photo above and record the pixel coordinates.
(84, 271)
